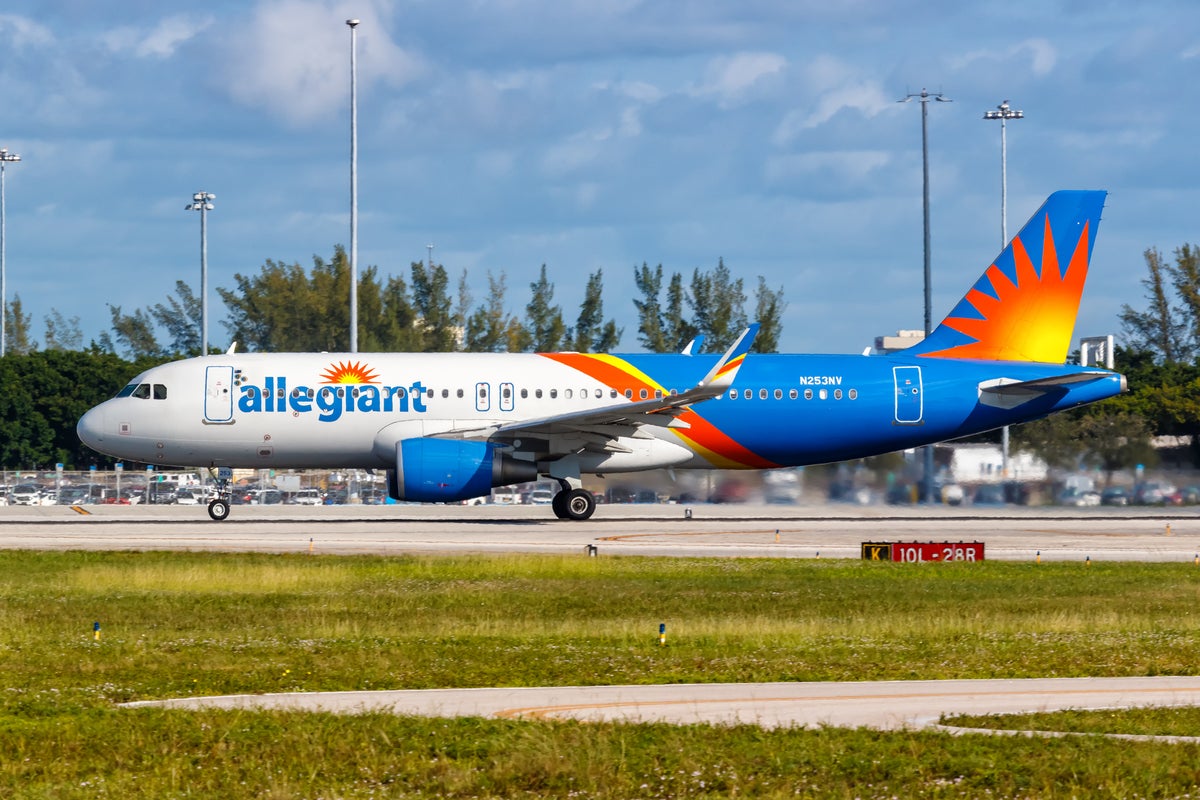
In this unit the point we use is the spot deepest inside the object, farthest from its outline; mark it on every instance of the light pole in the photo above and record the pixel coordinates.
(924, 97)
(353, 24)
(429, 261)
(202, 202)
(1004, 114)
(5, 158)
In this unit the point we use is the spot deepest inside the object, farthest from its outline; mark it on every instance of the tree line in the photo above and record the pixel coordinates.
(287, 308)
(1160, 357)
(47, 386)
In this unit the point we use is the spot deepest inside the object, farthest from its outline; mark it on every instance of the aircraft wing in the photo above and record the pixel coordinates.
(597, 427)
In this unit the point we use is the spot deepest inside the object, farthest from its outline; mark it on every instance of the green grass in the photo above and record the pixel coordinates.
(179, 624)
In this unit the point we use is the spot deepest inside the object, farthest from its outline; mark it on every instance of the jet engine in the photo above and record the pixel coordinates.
(448, 470)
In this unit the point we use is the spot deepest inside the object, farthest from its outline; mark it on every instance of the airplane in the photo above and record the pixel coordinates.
(452, 426)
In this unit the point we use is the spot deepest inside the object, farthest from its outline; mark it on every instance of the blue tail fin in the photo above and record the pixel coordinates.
(1023, 307)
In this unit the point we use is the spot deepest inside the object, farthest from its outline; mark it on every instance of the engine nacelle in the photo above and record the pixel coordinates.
(448, 470)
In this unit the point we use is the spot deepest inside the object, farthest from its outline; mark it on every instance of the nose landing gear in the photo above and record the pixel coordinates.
(218, 508)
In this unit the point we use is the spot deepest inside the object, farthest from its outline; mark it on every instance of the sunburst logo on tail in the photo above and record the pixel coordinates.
(344, 372)
(1026, 317)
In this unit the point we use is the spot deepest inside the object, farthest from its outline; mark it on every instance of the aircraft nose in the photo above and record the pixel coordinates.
(90, 428)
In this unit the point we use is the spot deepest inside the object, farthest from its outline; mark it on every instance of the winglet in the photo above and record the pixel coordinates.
(724, 371)
(694, 346)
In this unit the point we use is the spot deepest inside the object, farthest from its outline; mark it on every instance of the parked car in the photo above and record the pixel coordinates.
(989, 494)
(26, 494)
(1079, 499)
(266, 497)
(1188, 496)
(307, 497)
(1114, 496)
(188, 497)
(1152, 493)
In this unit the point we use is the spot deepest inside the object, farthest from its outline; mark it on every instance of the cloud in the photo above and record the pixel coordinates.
(833, 86)
(23, 31)
(1041, 54)
(292, 58)
(159, 42)
(733, 78)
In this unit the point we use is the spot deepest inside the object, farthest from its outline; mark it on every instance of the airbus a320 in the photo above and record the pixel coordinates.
(450, 427)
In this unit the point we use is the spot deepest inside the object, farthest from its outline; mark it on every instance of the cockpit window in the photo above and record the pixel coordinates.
(144, 391)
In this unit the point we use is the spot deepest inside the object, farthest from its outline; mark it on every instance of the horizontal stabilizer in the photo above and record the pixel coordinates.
(1009, 393)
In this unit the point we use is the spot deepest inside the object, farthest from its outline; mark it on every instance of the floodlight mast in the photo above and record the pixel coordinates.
(353, 25)
(924, 97)
(1004, 113)
(5, 158)
(202, 202)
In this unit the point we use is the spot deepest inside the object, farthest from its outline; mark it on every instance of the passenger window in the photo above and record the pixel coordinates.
(483, 392)
(837, 394)
(643, 394)
(823, 394)
(762, 394)
(733, 394)
(629, 394)
(779, 394)
(278, 392)
(460, 393)
(658, 394)
(400, 391)
(792, 394)
(553, 394)
(429, 393)
(537, 393)
(524, 393)
(808, 394)
(160, 392)
(567, 394)
(142, 392)
(748, 394)
(612, 393)
(854, 394)
(445, 393)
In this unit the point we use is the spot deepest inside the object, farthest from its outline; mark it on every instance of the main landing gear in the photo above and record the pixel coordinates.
(573, 503)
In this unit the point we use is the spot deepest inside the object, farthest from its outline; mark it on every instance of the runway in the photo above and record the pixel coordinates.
(817, 531)
(885, 705)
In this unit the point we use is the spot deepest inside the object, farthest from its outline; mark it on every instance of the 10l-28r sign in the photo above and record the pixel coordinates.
(921, 552)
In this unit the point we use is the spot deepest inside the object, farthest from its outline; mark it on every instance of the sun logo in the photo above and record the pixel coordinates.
(1025, 317)
(343, 372)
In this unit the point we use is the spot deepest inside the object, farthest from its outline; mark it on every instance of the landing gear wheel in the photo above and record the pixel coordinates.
(218, 509)
(578, 504)
(558, 504)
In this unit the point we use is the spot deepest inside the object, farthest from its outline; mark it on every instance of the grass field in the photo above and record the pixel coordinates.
(180, 624)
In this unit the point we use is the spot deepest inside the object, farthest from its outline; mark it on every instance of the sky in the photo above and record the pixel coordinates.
(585, 135)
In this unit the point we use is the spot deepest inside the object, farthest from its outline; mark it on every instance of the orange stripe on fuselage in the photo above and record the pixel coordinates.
(709, 441)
